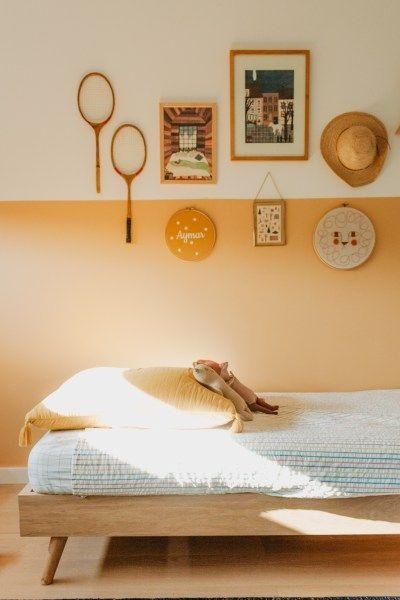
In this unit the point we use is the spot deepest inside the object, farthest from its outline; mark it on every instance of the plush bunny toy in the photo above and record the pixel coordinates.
(252, 400)
(211, 380)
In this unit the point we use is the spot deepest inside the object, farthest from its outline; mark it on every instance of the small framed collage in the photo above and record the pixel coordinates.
(269, 223)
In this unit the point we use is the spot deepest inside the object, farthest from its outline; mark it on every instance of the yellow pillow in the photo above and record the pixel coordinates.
(161, 397)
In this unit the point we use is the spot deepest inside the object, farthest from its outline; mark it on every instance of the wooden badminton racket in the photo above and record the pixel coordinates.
(128, 155)
(96, 102)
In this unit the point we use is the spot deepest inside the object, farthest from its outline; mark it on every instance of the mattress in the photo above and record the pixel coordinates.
(319, 446)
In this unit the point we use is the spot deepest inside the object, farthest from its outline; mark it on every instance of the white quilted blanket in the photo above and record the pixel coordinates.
(320, 446)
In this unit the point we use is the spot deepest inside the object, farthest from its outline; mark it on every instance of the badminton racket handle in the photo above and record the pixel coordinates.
(128, 230)
(97, 134)
(98, 179)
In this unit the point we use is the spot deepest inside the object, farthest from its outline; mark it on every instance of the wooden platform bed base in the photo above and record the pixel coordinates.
(62, 516)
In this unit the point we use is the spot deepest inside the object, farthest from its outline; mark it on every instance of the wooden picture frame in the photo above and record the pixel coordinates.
(267, 127)
(263, 237)
(194, 124)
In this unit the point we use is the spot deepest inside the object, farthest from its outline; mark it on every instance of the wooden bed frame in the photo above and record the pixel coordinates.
(62, 516)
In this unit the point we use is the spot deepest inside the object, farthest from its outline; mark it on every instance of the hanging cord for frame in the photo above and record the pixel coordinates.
(268, 174)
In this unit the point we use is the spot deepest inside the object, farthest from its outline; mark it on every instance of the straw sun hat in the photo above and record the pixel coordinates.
(354, 145)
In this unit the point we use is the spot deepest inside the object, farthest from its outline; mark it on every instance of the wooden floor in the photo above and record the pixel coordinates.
(196, 567)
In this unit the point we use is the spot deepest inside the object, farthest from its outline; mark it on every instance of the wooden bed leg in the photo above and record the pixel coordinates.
(56, 547)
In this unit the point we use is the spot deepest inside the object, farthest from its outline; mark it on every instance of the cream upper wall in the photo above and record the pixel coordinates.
(156, 50)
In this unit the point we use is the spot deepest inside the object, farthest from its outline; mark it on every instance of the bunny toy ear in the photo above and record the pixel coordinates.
(224, 370)
(210, 363)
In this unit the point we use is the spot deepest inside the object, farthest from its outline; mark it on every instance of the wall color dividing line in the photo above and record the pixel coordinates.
(74, 295)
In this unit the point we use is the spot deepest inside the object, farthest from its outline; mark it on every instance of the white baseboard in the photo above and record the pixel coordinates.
(13, 475)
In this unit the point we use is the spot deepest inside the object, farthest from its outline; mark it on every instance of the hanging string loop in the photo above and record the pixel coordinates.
(268, 175)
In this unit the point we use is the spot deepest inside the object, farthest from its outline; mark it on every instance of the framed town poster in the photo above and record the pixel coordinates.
(187, 142)
(269, 223)
(269, 104)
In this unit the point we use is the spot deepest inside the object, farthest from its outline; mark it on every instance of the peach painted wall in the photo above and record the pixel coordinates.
(73, 295)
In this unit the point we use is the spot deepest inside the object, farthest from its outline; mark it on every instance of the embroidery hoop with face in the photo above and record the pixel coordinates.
(344, 238)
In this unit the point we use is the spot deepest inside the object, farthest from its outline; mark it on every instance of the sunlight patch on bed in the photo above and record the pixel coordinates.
(199, 458)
